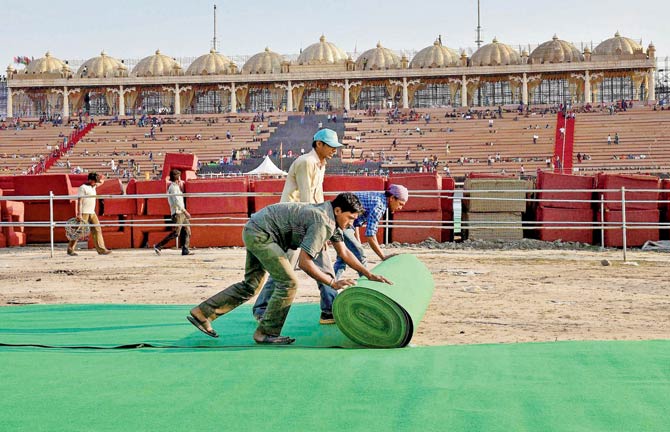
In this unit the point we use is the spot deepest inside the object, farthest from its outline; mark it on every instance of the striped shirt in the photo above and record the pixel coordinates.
(375, 205)
(299, 225)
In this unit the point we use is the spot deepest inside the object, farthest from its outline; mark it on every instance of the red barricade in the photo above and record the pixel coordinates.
(419, 226)
(634, 237)
(217, 205)
(140, 234)
(38, 210)
(226, 230)
(116, 232)
(342, 183)
(420, 182)
(272, 187)
(567, 182)
(447, 199)
(563, 217)
(633, 198)
(152, 206)
(475, 175)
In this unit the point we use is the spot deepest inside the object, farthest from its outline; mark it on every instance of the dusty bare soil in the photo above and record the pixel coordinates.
(480, 296)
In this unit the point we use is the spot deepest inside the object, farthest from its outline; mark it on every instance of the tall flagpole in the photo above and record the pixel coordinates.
(214, 39)
(479, 27)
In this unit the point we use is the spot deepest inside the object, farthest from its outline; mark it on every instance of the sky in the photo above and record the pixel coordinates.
(135, 29)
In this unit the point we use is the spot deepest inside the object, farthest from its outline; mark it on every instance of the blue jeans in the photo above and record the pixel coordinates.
(352, 243)
(328, 294)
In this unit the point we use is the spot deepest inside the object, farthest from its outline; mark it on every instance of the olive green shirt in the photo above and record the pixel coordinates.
(299, 225)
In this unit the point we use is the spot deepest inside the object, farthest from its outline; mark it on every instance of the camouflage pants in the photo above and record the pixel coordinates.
(263, 255)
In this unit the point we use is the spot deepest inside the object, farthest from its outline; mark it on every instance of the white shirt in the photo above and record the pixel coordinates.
(176, 199)
(87, 202)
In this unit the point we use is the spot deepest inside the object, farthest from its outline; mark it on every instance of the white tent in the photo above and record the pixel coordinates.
(267, 167)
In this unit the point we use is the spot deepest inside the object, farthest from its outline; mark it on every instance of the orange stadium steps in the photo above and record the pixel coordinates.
(630, 182)
(634, 237)
(217, 205)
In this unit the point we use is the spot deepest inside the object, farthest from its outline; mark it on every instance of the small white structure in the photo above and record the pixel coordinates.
(267, 167)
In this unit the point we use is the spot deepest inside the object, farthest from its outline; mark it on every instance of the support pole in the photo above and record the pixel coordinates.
(122, 102)
(177, 101)
(524, 90)
(233, 98)
(51, 221)
(10, 104)
(347, 100)
(66, 104)
(602, 221)
(289, 97)
(623, 221)
(386, 231)
(464, 92)
(587, 87)
(405, 94)
(652, 86)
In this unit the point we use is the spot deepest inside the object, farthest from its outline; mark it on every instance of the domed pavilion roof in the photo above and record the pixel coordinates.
(213, 63)
(378, 58)
(265, 62)
(435, 56)
(495, 54)
(617, 45)
(556, 51)
(322, 52)
(103, 66)
(157, 65)
(45, 65)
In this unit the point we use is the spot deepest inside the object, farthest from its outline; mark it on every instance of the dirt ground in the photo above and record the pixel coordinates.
(480, 296)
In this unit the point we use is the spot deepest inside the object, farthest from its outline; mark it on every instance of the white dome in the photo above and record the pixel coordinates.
(435, 56)
(209, 64)
(322, 52)
(45, 65)
(378, 58)
(556, 51)
(265, 62)
(618, 45)
(103, 66)
(495, 54)
(157, 65)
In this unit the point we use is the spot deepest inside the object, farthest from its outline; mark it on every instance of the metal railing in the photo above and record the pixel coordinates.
(599, 203)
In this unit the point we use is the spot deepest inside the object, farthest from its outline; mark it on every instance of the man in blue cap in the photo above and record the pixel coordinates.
(304, 183)
(375, 205)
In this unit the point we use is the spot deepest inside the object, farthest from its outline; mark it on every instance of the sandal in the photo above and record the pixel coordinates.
(200, 326)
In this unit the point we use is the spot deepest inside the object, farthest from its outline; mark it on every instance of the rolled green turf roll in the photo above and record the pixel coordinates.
(378, 315)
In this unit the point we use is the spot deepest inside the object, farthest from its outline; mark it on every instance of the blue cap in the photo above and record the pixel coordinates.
(329, 137)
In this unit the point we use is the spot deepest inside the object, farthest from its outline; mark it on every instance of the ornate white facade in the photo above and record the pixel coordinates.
(495, 74)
